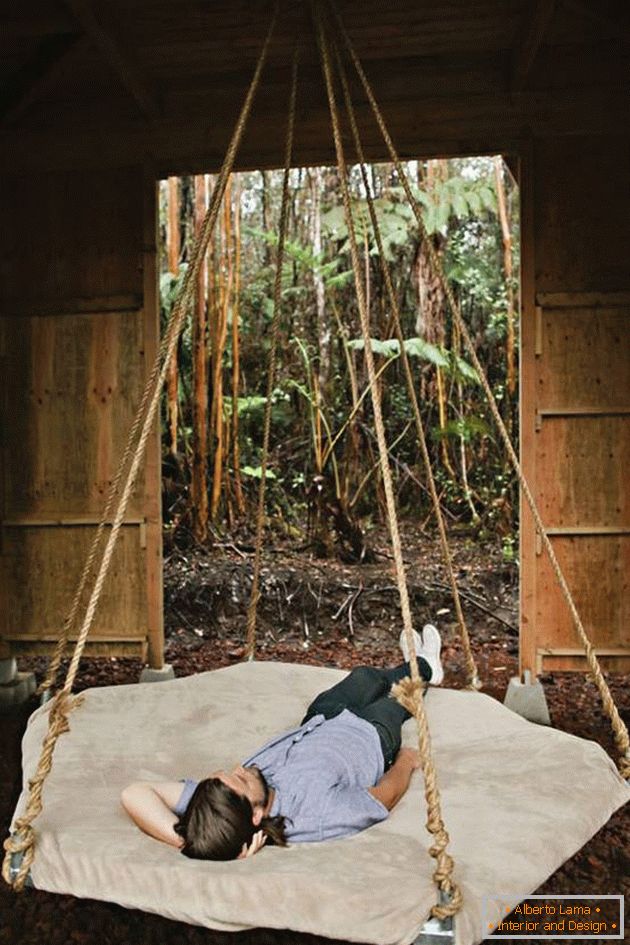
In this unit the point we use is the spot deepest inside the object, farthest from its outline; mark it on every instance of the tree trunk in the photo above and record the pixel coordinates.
(236, 379)
(198, 486)
(432, 305)
(218, 349)
(174, 248)
(351, 457)
(430, 323)
(266, 215)
(509, 284)
(322, 327)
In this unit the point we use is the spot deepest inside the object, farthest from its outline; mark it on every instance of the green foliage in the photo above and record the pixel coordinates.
(170, 286)
(389, 348)
(509, 548)
(452, 364)
(425, 351)
(245, 405)
(311, 403)
(465, 428)
(395, 224)
(307, 260)
(462, 370)
(255, 472)
(454, 200)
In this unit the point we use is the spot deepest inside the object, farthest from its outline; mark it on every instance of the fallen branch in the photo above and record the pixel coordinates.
(437, 585)
(426, 588)
(352, 603)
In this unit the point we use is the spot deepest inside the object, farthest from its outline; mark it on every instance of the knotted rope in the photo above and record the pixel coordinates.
(444, 870)
(24, 839)
(271, 373)
(410, 695)
(620, 731)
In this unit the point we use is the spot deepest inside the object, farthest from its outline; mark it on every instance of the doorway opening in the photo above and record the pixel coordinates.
(326, 571)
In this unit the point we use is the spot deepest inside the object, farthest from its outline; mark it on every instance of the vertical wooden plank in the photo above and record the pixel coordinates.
(79, 325)
(527, 552)
(585, 358)
(586, 462)
(69, 380)
(41, 568)
(538, 345)
(597, 569)
(153, 470)
(579, 391)
(105, 356)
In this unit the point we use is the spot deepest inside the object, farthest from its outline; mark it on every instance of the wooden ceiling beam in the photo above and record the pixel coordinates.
(21, 23)
(117, 57)
(592, 12)
(41, 73)
(18, 87)
(538, 19)
(191, 143)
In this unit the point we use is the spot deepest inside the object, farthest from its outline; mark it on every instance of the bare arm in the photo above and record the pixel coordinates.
(395, 782)
(150, 806)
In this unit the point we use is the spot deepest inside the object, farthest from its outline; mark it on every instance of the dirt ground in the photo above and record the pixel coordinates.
(323, 613)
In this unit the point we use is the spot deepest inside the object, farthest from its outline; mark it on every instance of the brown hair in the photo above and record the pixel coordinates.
(218, 821)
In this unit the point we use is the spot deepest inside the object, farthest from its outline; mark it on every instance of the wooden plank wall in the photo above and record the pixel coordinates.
(78, 330)
(576, 399)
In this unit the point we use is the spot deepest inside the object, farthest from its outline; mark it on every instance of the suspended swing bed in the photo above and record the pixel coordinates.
(491, 833)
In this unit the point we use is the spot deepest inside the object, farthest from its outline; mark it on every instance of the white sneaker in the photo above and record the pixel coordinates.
(427, 646)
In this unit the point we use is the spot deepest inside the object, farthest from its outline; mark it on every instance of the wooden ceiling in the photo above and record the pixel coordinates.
(90, 82)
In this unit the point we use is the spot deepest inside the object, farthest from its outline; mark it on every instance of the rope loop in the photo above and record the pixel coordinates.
(409, 693)
(22, 843)
(452, 905)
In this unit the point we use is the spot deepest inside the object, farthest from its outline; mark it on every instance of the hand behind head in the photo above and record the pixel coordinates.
(258, 841)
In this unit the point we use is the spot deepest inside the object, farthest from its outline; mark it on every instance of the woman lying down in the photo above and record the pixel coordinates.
(341, 771)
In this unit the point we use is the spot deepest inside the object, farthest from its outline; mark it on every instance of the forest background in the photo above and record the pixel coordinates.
(323, 487)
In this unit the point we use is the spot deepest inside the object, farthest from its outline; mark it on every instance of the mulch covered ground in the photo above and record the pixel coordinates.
(323, 613)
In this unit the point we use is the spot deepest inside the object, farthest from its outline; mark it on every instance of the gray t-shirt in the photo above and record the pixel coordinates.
(321, 772)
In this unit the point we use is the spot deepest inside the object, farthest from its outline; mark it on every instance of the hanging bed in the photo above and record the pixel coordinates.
(519, 800)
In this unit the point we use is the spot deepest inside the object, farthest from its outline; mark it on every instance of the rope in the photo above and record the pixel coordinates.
(24, 839)
(271, 374)
(435, 824)
(409, 694)
(620, 731)
(473, 675)
(369, 357)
